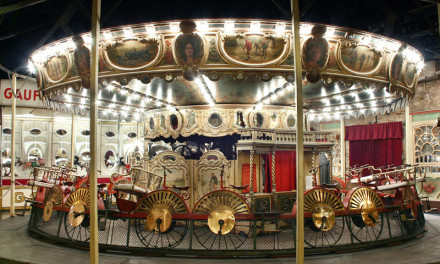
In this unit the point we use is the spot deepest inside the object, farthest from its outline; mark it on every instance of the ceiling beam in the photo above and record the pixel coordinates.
(23, 31)
(83, 10)
(110, 12)
(283, 10)
(65, 17)
(17, 6)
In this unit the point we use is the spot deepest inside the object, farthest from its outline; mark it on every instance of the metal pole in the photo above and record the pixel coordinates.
(343, 149)
(299, 135)
(408, 135)
(13, 108)
(1, 145)
(94, 159)
(72, 140)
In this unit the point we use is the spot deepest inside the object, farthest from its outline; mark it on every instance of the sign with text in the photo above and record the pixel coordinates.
(28, 94)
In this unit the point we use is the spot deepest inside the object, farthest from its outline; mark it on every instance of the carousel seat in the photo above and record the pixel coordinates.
(181, 188)
(329, 185)
(130, 188)
(40, 184)
(395, 185)
(68, 183)
(239, 188)
(102, 185)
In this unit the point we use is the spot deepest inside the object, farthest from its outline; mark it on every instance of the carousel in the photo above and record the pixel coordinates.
(215, 172)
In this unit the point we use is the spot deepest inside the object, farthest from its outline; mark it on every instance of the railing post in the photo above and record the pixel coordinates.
(251, 173)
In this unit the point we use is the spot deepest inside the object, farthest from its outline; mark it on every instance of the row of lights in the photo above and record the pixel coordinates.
(353, 94)
(207, 92)
(274, 95)
(229, 28)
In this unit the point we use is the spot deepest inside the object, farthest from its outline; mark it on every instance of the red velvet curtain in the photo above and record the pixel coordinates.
(285, 171)
(377, 145)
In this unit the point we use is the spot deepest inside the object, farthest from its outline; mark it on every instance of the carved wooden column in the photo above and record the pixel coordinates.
(330, 163)
(274, 185)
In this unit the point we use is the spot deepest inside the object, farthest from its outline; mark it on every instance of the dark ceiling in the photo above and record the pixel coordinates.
(26, 25)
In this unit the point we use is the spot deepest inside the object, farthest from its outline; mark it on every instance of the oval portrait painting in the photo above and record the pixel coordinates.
(131, 53)
(189, 49)
(410, 74)
(315, 53)
(396, 68)
(57, 68)
(360, 58)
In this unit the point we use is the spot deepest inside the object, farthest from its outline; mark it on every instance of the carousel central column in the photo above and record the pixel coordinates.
(251, 173)
(299, 135)
(94, 248)
(72, 139)
(13, 108)
(342, 142)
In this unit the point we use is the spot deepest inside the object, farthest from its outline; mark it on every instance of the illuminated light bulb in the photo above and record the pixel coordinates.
(366, 39)
(114, 113)
(359, 105)
(31, 67)
(174, 27)
(68, 97)
(126, 108)
(70, 44)
(353, 94)
(111, 106)
(388, 100)
(327, 109)
(393, 46)
(330, 32)
(305, 29)
(128, 32)
(110, 87)
(229, 26)
(259, 106)
(108, 35)
(136, 116)
(98, 103)
(151, 30)
(68, 105)
(373, 103)
(266, 101)
(123, 91)
(374, 109)
(87, 39)
(83, 100)
(255, 26)
(380, 45)
(124, 114)
(280, 27)
(82, 106)
(420, 65)
(312, 117)
(202, 26)
(340, 98)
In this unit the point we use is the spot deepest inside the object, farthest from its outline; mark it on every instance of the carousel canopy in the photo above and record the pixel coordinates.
(211, 63)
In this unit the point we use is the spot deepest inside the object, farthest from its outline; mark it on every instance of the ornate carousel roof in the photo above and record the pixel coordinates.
(229, 64)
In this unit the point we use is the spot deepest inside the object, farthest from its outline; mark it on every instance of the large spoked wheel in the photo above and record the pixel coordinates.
(160, 230)
(221, 231)
(77, 221)
(53, 198)
(323, 229)
(368, 226)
